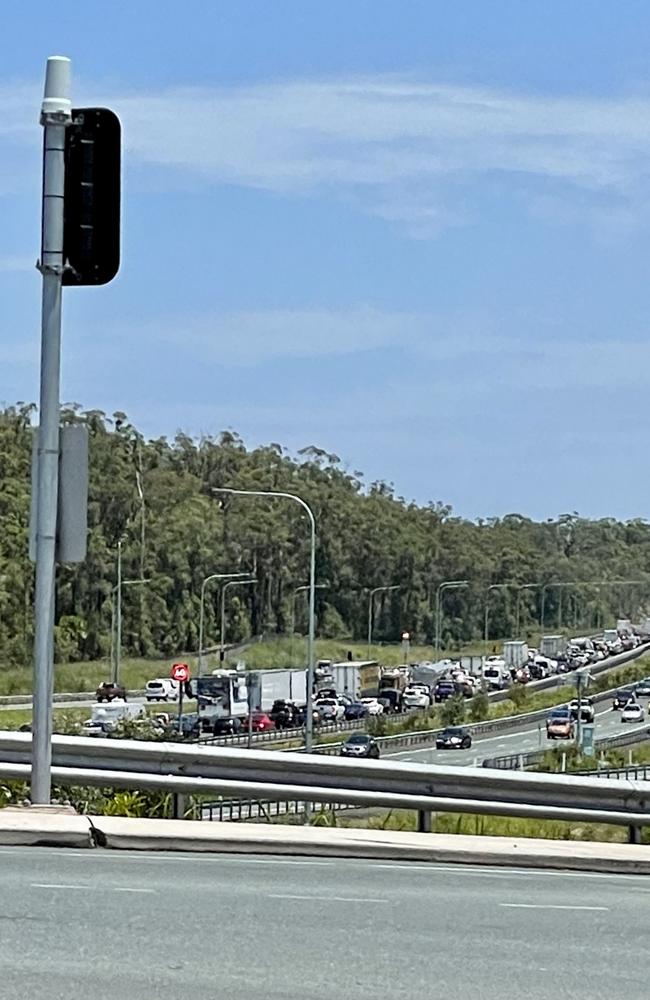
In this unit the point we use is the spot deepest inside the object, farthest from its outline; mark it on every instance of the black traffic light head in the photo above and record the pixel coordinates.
(91, 231)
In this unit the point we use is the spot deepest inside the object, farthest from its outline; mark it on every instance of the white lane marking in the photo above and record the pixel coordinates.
(128, 889)
(551, 906)
(327, 899)
(56, 885)
(105, 888)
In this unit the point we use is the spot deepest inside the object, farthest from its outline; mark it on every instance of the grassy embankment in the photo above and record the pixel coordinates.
(268, 654)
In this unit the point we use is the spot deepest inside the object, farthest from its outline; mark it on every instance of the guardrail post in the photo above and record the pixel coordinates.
(634, 834)
(179, 805)
(424, 821)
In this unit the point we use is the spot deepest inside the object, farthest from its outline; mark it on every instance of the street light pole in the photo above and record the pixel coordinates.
(377, 590)
(222, 627)
(445, 585)
(309, 722)
(299, 590)
(204, 583)
(523, 586)
(118, 614)
(117, 603)
(493, 586)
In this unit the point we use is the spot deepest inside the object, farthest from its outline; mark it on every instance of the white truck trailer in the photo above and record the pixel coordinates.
(515, 654)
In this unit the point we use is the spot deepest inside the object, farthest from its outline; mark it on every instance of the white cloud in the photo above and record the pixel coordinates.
(471, 351)
(403, 149)
(396, 139)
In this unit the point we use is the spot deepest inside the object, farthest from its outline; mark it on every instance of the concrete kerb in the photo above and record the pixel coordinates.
(31, 827)
(25, 827)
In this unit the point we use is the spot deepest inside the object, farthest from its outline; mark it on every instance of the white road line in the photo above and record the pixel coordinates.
(327, 899)
(56, 885)
(551, 906)
(128, 889)
(105, 888)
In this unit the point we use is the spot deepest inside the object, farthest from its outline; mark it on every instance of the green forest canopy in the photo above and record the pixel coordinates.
(366, 537)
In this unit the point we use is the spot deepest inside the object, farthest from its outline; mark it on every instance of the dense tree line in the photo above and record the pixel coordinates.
(156, 496)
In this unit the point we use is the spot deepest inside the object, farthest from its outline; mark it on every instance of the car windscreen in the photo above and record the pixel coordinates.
(359, 738)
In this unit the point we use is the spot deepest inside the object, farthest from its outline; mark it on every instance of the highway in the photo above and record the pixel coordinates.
(187, 927)
(528, 737)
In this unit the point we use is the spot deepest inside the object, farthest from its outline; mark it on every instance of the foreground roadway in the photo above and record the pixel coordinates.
(187, 927)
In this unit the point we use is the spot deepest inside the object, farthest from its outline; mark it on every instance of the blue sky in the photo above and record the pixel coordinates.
(412, 233)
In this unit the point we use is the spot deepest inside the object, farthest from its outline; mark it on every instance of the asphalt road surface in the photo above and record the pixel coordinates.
(102, 926)
(528, 737)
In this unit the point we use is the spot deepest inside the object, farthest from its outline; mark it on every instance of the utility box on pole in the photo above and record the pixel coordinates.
(72, 506)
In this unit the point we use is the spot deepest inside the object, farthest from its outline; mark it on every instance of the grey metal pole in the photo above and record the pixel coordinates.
(116, 600)
(204, 583)
(118, 616)
(371, 605)
(203, 586)
(309, 721)
(55, 115)
(493, 586)
(222, 628)
(445, 585)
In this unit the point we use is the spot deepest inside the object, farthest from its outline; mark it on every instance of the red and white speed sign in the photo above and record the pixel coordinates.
(180, 672)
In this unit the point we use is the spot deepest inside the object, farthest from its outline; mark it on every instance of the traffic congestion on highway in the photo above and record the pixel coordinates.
(248, 708)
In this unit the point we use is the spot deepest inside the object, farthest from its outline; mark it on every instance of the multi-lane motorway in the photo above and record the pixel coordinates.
(103, 925)
(530, 736)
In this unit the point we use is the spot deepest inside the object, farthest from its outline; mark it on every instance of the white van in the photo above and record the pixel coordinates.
(161, 689)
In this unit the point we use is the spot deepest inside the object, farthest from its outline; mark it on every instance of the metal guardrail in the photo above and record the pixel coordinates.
(247, 810)
(635, 772)
(277, 736)
(277, 776)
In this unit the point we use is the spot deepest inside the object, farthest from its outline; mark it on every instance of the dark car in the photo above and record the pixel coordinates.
(391, 700)
(285, 714)
(622, 696)
(587, 709)
(643, 688)
(444, 690)
(356, 710)
(454, 738)
(108, 691)
(226, 725)
(360, 745)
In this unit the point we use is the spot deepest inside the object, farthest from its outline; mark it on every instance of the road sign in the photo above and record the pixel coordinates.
(180, 672)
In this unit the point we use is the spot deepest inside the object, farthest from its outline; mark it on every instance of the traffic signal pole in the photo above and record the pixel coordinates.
(55, 116)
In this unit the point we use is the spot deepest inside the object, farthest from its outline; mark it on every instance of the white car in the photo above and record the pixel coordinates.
(416, 698)
(633, 712)
(330, 709)
(161, 689)
(374, 707)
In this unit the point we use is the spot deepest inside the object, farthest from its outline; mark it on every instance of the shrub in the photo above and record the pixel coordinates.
(452, 711)
(479, 707)
(518, 695)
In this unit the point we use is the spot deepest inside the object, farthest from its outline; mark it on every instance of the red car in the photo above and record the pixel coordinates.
(259, 722)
